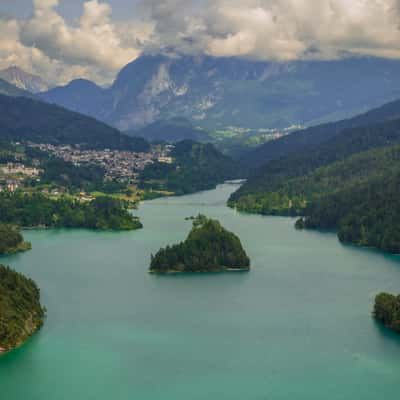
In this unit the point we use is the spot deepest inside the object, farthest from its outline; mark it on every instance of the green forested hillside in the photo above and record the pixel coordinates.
(291, 196)
(367, 214)
(65, 173)
(21, 313)
(275, 174)
(28, 119)
(349, 184)
(307, 139)
(33, 210)
(195, 167)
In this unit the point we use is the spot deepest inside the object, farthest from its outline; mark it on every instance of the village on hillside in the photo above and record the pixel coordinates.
(118, 164)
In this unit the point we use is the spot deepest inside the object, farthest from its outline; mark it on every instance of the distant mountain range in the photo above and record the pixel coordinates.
(23, 80)
(220, 92)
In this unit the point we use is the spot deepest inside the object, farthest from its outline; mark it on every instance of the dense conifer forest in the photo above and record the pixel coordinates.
(387, 310)
(349, 184)
(37, 210)
(195, 167)
(345, 144)
(11, 240)
(74, 177)
(367, 214)
(21, 313)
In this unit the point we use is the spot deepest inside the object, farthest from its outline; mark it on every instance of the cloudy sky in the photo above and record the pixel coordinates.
(65, 39)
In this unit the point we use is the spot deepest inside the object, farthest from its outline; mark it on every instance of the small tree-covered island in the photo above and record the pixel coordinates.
(387, 310)
(209, 247)
(21, 313)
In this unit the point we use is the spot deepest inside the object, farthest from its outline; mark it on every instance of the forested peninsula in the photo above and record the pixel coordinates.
(11, 240)
(21, 313)
(36, 210)
(209, 247)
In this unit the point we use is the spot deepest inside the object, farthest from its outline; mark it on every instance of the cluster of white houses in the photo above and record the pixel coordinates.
(117, 163)
(19, 169)
(12, 174)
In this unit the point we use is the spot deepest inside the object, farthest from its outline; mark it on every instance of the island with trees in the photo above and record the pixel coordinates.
(11, 240)
(209, 247)
(387, 310)
(21, 313)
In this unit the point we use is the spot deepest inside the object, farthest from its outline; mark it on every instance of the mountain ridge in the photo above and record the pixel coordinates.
(34, 120)
(7, 89)
(310, 137)
(24, 80)
(219, 92)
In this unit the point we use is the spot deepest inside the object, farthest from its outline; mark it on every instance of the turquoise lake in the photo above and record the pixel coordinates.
(297, 326)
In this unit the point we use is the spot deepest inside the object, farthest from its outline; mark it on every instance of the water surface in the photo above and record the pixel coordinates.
(298, 326)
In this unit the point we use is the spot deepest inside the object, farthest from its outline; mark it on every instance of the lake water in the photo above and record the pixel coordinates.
(298, 326)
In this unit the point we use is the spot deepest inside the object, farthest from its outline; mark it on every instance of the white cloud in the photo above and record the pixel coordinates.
(94, 41)
(281, 29)
(96, 46)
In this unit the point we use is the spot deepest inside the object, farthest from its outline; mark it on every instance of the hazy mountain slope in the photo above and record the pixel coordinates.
(219, 92)
(308, 138)
(80, 95)
(171, 130)
(23, 80)
(8, 89)
(27, 119)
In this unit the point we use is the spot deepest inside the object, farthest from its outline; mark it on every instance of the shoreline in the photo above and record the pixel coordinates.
(48, 228)
(217, 271)
(20, 248)
(22, 342)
